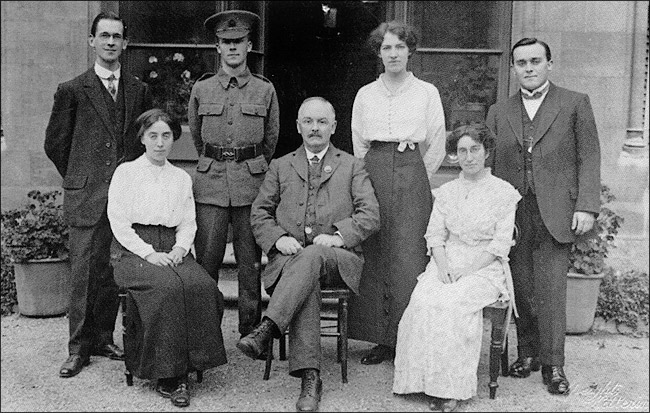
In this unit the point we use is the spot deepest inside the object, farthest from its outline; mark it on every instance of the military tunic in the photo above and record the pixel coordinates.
(232, 116)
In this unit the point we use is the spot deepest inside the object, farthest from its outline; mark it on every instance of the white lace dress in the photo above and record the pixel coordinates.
(439, 335)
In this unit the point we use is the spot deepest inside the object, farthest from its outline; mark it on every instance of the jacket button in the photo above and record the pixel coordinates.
(299, 223)
(232, 104)
(108, 144)
(108, 163)
(229, 122)
(301, 203)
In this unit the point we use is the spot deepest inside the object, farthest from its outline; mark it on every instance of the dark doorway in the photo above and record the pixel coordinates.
(319, 49)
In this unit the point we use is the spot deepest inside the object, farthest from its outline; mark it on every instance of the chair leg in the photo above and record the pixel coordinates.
(339, 339)
(497, 320)
(269, 358)
(283, 347)
(343, 336)
(127, 373)
(505, 363)
(199, 376)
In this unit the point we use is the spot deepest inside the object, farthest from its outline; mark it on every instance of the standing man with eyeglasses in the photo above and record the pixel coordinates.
(234, 120)
(547, 147)
(90, 132)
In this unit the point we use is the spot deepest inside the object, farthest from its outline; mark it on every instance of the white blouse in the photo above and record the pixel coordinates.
(475, 212)
(143, 193)
(413, 114)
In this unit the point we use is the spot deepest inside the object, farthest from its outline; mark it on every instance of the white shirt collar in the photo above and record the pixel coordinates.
(320, 154)
(145, 162)
(105, 73)
(524, 91)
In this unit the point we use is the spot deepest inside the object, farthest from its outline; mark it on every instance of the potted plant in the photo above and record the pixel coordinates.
(587, 266)
(471, 90)
(35, 241)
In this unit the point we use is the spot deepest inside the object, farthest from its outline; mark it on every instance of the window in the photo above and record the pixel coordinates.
(464, 51)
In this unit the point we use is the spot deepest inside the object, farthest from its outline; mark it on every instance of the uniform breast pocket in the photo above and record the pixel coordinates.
(211, 117)
(253, 116)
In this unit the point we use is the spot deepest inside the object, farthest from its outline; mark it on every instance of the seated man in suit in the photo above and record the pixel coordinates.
(313, 210)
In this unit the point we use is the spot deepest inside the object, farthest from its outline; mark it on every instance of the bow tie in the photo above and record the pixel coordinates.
(535, 95)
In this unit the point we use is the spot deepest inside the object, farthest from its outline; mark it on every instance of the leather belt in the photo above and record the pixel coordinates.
(226, 153)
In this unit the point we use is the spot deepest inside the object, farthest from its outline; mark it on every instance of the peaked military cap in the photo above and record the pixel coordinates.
(232, 24)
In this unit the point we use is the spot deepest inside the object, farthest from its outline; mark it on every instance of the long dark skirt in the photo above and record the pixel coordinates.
(395, 255)
(174, 317)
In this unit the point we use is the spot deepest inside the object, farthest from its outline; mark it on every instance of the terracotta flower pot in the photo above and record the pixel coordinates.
(581, 299)
(42, 287)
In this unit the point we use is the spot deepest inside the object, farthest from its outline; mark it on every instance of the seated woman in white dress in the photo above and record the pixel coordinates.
(174, 306)
(469, 235)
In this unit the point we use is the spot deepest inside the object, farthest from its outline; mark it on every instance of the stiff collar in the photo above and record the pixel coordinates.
(543, 90)
(242, 78)
(320, 154)
(105, 73)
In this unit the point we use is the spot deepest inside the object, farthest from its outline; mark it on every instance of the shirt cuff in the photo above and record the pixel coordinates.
(339, 234)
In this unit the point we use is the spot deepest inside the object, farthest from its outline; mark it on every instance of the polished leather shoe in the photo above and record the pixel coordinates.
(255, 343)
(165, 387)
(310, 391)
(264, 352)
(181, 395)
(522, 367)
(555, 379)
(73, 365)
(111, 351)
(378, 354)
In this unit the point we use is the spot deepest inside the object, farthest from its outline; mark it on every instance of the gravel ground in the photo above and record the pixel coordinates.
(607, 373)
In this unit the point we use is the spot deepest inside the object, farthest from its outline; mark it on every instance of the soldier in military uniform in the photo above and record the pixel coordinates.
(234, 120)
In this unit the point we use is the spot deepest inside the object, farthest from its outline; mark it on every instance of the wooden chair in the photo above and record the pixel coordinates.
(340, 326)
(124, 298)
(497, 313)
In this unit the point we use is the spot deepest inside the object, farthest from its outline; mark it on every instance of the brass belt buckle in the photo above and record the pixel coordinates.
(228, 154)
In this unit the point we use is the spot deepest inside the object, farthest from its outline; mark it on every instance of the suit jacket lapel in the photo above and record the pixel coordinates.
(92, 88)
(547, 112)
(330, 162)
(299, 163)
(514, 110)
(130, 85)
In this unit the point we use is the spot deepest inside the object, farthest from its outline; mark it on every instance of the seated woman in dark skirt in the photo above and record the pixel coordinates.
(175, 322)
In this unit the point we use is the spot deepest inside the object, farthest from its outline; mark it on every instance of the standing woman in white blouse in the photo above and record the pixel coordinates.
(391, 117)
(175, 307)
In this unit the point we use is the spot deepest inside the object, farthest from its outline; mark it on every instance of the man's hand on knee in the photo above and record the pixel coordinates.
(329, 240)
(288, 245)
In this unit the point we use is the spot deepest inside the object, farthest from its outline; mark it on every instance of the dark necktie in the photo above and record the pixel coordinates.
(314, 160)
(233, 82)
(112, 89)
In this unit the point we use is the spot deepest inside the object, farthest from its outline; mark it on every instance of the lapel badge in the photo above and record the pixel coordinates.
(327, 169)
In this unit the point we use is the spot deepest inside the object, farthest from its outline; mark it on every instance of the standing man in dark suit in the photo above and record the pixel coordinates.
(547, 148)
(88, 135)
(234, 121)
(314, 208)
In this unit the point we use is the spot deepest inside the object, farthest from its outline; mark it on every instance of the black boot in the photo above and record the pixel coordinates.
(310, 391)
(255, 343)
